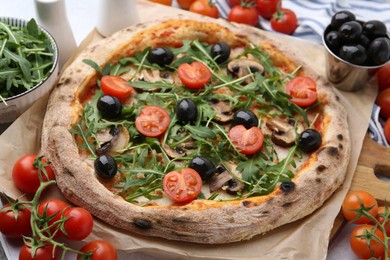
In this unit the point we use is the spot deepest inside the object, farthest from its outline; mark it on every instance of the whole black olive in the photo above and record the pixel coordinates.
(350, 31)
(374, 29)
(186, 111)
(246, 118)
(379, 50)
(353, 53)
(221, 50)
(109, 106)
(364, 41)
(203, 166)
(287, 186)
(105, 167)
(161, 56)
(333, 40)
(309, 140)
(341, 17)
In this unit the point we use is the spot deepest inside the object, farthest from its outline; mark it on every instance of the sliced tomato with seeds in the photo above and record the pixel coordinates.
(116, 86)
(303, 91)
(152, 121)
(182, 186)
(248, 141)
(194, 75)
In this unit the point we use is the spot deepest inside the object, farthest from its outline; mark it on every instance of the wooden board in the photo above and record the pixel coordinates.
(374, 162)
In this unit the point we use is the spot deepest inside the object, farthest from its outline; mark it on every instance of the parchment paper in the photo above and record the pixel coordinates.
(304, 239)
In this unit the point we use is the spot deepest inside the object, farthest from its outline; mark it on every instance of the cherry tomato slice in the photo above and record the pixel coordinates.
(303, 91)
(248, 141)
(182, 186)
(152, 121)
(194, 75)
(116, 86)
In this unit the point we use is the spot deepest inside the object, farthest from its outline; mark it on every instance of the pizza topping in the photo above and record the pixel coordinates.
(152, 121)
(203, 166)
(309, 140)
(248, 141)
(194, 75)
(287, 186)
(109, 106)
(115, 86)
(186, 111)
(161, 56)
(105, 167)
(283, 134)
(112, 140)
(156, 75)
(243, 67)
(246, 118)
(220, 52)
(182, 186)
(219, 180)
(303, 91)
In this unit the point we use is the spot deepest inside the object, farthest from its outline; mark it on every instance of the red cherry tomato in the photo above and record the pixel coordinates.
(352, 202)
(185, 4)
(248, 141)
(238, 2)
(182, 186)
(383, 77)
(244, 14)
(383, 102)
(26, 175)
(285, 21)
(15, 222)
(79, 224)
(116, 86)
(194, 75)
(267, 8)
(100, 249)
(363, 248)
(380, 218)
(387, 130)
(303, 91)
(163, 2)
(52, 208)
(204, 7)
(152, 121)
(42, 253)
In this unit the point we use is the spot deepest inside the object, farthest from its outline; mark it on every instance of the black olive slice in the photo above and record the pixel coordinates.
(246, 118)
(109, 106)
(105, 167)
(309, 140)
(203, 166)
(186, 111)
(221, 50)
(161, 56)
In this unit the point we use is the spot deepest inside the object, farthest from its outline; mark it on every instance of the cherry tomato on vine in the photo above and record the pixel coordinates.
(245, 14)
(383, 101)
(152, 121)
(100, 249)
(205, 7)
(116, 86)
(267, 8)
(383, 77)
(352, 202)
(163, 2)
(303, 91)
(185, 4)
(182, 186)
(284, 21)
(42, 253)
(237, 2)
(52, 208)
(194, 75)
(79, 224)
(387, 130)
(364, 248)
(248, 141)
(380, 218)
(26, 176)
(15, 221)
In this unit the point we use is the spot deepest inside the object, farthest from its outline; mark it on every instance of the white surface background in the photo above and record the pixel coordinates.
(83, 16)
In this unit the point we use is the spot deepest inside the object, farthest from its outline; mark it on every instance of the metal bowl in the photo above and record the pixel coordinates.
(14, 106)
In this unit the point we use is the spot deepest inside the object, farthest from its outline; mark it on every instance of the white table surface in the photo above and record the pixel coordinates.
(82, 17)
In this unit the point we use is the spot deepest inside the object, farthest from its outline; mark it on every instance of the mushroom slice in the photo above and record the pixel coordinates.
(283, 134)
(243, 66)
(181, 150)
(113, 140)
(223, 110)
(225, 181)
(156, 75)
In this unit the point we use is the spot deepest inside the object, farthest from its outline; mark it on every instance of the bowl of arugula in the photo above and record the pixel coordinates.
(28, 66)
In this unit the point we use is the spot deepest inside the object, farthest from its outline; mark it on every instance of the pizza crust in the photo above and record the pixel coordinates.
(201, 221)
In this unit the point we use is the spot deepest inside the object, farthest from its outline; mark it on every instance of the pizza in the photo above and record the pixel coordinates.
(195, 130)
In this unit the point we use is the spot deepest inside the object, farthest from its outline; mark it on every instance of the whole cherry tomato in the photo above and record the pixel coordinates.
(248, 141)
(152, 121)
(42, 253)
(365, 248)
(353, 201)
(100, 249)
(205, 7)
(387, 130)
(383, 101)
(185, 4)
(303, 91)
(116, 86)
(194, 75)
(380, 217)
(267, 8)
(15, 220)
(163, 2)
(26, 175)
(238, 2)
(284, 21)
(79, 223)
(245, 14)
(182, 186)
(383, 77)
(52, 208)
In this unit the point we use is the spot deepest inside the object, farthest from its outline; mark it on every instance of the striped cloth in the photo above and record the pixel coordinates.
(315, 15)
